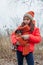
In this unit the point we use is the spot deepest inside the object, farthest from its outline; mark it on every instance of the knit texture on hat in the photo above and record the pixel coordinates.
(30, 14)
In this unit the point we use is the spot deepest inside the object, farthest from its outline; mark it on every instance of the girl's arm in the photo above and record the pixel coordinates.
(35, 38)
(13, 38)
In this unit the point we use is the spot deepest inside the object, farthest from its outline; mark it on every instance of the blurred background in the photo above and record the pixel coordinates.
(11, 14)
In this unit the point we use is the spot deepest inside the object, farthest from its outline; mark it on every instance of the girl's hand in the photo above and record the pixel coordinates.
(25, 37)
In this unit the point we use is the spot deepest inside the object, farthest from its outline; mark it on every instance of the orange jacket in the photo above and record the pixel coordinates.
(34, 38)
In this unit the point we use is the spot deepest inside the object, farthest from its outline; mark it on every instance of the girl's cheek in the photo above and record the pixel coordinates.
(25, 21)
(28, 21)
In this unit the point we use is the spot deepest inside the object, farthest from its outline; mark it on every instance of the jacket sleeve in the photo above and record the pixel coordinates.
(13, 38)
(36, 38)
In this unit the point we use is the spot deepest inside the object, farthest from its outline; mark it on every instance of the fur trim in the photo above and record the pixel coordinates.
(29, 16)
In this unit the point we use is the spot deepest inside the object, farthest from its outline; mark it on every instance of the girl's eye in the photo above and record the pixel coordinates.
(27, 19)
(24, 19)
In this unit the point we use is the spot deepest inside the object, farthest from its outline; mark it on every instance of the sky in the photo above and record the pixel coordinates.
(12, 11)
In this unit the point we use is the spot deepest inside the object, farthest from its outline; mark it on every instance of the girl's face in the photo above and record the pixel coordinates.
(26, 20)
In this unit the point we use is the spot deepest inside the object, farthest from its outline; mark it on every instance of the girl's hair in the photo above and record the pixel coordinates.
(30, 24)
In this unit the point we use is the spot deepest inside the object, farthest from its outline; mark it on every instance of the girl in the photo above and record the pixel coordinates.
(31, 37)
